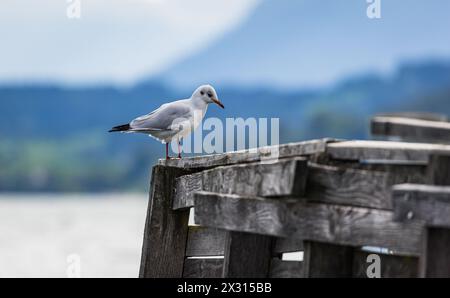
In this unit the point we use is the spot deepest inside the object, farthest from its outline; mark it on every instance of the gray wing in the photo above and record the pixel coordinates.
(162, 118)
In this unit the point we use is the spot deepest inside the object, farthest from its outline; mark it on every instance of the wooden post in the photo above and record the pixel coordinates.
(322, 260)
(436, 260)
(247, 255)
(163, 249)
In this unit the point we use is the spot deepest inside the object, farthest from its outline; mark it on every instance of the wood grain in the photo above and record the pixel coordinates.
(247, 255)
(245, 156)
(337, 185)
(335, 224)
(284, 178)
(285, 269)
(408, 129)
(282, 245)
(203, 268)
(165, 230)
(325, 260)
(205, 242)
(383, 150)
(422, 202)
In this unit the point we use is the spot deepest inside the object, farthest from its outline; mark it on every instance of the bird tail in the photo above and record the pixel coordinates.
(124, 127)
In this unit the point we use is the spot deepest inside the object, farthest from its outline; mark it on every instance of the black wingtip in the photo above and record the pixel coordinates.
(124, 127)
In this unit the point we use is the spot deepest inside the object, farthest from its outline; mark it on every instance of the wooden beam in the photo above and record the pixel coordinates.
(244, 156)
(338, 185)
(205, 242)
(247, 255)
(335, 224)
(438, 170)
(165, 234)
(285, 269)
(437, 253)
(428, 203)
(409, 129)
(203, 268)
(385, 151)
(283, 245)
(284, 178)
(185, 187)
(324, 260)
(415, 115)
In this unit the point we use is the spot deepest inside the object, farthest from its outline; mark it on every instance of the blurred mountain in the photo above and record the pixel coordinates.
(307, 43)
(55, 139)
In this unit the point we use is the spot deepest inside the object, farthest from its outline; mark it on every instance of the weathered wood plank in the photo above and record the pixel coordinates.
(247, 255)
(255, 155)
(432, 205)
(282, 245)
(285, 269)
(438, 170)
(205, 242)
(382, 151)
(437, 253)
(203, 268)
(165, 230)
(422, 202)
(335, 224)
(416, 115)
(337, 185)
(185, 187)
(284, 178)
(409, 129)
(390, 266)
(324, 260)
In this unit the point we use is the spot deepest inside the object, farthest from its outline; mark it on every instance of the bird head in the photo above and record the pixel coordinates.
(208, 95)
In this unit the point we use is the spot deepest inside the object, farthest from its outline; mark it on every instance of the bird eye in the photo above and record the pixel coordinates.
(209, 94)
(202, 92)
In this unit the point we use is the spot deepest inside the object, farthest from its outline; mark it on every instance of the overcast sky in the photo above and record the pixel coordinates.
(114, 40)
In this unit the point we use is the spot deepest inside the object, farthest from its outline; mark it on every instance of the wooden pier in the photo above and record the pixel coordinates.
(330, 199)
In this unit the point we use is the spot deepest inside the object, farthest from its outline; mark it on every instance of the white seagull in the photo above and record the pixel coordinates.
(174, 120)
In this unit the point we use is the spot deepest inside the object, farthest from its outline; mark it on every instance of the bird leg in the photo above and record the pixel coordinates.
(179, 149)
(167, 151)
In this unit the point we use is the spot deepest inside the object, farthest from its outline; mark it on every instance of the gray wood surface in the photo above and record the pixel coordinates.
(285, 269)
(438, 170)
(438, 253)
(247, 255)
(337, 185)
(203, 268)
(335, 224)
(416, 115)
(422, 202)
(282, 245)
(286, 177)
(205, 242)
(185, 187)
(245, 156)
(165, 232)
(408, 129)
(324, 260)
(385, 151)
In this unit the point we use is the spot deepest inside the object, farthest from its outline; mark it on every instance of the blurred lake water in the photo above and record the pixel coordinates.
(39, 232)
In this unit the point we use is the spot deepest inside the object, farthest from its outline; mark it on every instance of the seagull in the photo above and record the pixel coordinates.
(174, 120)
